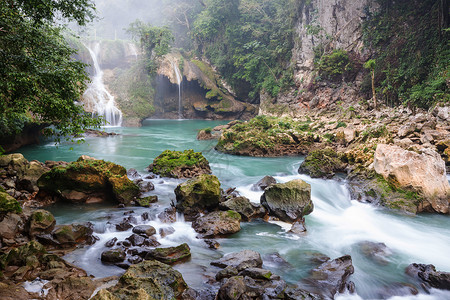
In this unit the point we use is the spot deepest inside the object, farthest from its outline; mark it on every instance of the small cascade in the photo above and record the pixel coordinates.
(99, 100)
(179, 81)
(133, 50)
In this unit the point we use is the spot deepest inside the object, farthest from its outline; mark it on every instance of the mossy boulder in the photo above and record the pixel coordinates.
(41, 222)
(26, 255)
(170, 255)
(177, 164)
(198, 194)
(8, 204)
(30, 175)
(15, 161)
(146, 201)
(69, 235)
(289, 201)
(218, 224)
(322, 163)
(244, 207)
(147, 280)
(89, 180)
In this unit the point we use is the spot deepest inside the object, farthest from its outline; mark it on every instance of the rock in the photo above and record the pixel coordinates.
(240, 260)
(226, 273)
(264, 183)
(428, 275)
(8, 204)
(72, 288)
(233, 289)
(113, 256)
(111, 242)
(146, 280)
(423, 173)
(274, 260)
(218, 223)
(85, 179)
(74, 234)
(151, 242)
(212, 244)
(331, 277)
(406, 130)
(442, 113)
(146, 201)
(31, 173)
(169, 215)
(124, 225)
(165, 231)
(297, 293)
(198, 194)
(132, 173)
(16, 161)
(322, 163)
(144, 230)
(136, 240)
(397, 289)
(288, 201)
(176, 164)
(244, 207)
(170, 255)
(375, 251)
(256, 273)
(146, 186)
(11, 226)
(41, 222)
(298, 228)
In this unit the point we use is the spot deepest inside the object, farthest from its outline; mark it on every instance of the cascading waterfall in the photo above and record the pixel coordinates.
(100, 101)
(179, 81)
(133, 50)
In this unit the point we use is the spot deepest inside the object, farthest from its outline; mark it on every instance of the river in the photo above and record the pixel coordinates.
(336, 227)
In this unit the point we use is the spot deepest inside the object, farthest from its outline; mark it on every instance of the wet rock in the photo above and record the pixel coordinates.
(145, 216)
(213, 244)
(297, 293)
(298, 228)
(30, 175)
(124, 225)
(428, 275)
(124, 244)
(41, 222)
(111, 242)
(113, 256)
(240, 260)
(146, 280)
(10, 226)
(146, 230)
(124, 265)
(69, 235)
(397, 289)
(423, 173)
(256, 273)
(264, 183)
(132, 173)
(331, 277)
(136, 240)
(226, 273)
(169, 215)
(288, 201)
(244, 207)
(198, 194)
(322, 163)
(275, 260)
(146, 186)
(165, 231)
(218, 223)
(151, 242)
(233, 289)
(375, 251)
(170, 255)
(146, 201)
(135, 259)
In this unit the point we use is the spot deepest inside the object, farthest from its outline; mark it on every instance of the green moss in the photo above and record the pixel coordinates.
(322, 163)
(9, 204)
(233, 215)
(169, 160)
(335, 65)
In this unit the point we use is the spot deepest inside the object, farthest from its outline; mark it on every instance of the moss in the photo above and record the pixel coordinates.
(169, 161)
(9, 204)
(233, 215)
(322, 163)
(145, 202)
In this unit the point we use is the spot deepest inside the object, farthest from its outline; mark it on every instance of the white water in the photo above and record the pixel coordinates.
(100, 101)
(133, 50)
(179, 81)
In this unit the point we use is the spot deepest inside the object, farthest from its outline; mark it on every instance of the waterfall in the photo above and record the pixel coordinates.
(100, 101)
(179, 81)
(133, 50)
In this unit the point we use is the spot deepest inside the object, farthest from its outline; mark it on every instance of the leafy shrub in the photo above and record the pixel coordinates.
(333, 66)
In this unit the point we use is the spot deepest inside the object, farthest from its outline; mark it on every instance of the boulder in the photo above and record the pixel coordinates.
(428, 275)
(226, 273)
(165, 231)
(406, 129)
(198, 194)
(378, 252)
(169, 215)
(288, 201)
(41, 222)
(265, 182)
(244, 207)
(10, 226)
(177, 164)
(146, 280)
(70, 235)
(8, 204)
(422, 173)
(331, 277)
(87, 181)
(146, 201)
(31, 173)
(217, 223)
(113, 256)
(170, 255)
(322, 163)
(136, 239)
(146, 230)
(146, 186)
(240, 260)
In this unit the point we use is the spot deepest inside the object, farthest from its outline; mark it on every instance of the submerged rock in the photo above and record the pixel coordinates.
(217, 223)
(288, 201)
(177, 164)
(428, 275)
(264, 183)
(375, 251)
(198, 194)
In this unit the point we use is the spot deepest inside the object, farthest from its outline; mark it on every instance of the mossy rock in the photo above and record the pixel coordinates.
(322, 163)
(149, 280)
(197, 194)
(218, 224)
(170, 255)
(289, 201)
(91, 177)
(146, 201)
(24, 255)
(41, 222)
(177, 164)
(8, 204)
(72, 234)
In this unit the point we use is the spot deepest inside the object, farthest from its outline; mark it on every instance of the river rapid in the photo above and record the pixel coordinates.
(336, 227)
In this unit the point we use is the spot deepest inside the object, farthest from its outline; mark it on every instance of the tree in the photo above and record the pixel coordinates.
(370, 65)
(39, 79)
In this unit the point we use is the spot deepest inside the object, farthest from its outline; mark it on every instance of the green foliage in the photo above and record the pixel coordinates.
(155, 41)
(335, 65)
(169, 160)
(39, 77)
(412, 52)
(249, 41)
(208, 130)
(341, 124)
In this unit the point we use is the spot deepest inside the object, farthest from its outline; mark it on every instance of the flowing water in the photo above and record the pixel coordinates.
(99, 100)
(179, 81)
(336, 227)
